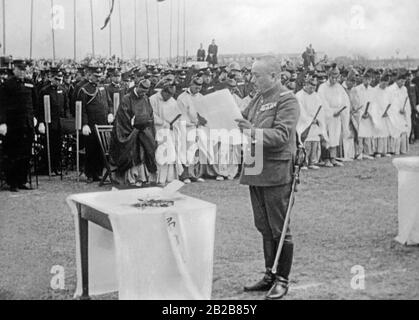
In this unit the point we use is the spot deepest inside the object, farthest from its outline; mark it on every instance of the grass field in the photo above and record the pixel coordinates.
(342, 217)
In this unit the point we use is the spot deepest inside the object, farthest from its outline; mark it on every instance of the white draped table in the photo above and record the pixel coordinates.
(152, 253)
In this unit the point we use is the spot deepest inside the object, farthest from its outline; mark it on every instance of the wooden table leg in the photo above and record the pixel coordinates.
(84, 236)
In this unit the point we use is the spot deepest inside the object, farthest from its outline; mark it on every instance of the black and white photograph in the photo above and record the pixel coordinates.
(233, 152)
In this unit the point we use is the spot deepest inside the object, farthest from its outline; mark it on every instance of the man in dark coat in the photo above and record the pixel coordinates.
(413, 92)
(200, 55)
(17, 104)
(275, 110)
(95, 111)
(133, 147)
(115, 88)
(212, 53)
(58, 108)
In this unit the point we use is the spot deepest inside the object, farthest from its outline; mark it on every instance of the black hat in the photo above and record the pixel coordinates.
(113, 72)
(20, 64)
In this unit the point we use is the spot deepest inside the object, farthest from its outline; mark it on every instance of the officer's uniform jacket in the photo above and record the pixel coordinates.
(276, 111)
(58, 104)
(95, 106)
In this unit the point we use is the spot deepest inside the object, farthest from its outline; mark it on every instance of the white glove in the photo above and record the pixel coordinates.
(86, 130)
(35, 121)
(132, 121)
(41, 128)
(110, 118)
(3, 129)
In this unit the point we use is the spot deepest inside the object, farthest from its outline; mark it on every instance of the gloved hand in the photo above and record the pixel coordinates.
(86, 130)
(3, 129)
(417, 108)
(110, 118)
(41, 128)
(35, 121)
(132, 121)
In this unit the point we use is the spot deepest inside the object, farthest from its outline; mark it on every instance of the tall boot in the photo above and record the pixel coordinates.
(269, 252)
(280, 286)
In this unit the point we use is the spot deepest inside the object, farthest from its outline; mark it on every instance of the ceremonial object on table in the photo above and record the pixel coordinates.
(47, 116)
(408, 203)
(151, 253)
(116, 99)
(78, 128)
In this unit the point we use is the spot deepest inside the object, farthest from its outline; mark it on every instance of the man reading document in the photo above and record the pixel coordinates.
(274, 111)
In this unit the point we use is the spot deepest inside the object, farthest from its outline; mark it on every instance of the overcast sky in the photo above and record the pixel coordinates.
(336, 27)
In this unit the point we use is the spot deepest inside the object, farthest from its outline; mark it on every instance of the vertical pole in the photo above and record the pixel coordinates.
(178, 28)
(75, 29)
(184, 30)
(135, 29)
(120, 30)
(171, 19)
(148, 32)
(31, 34)
(93, 31)
(158, 31)
(53, 32)
(110, 31)
(4, 27)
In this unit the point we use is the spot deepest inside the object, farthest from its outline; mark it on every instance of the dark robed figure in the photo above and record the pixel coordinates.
(132, 148)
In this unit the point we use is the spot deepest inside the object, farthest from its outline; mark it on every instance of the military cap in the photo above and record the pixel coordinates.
(208, 72)
(20, 64)
(114, 72)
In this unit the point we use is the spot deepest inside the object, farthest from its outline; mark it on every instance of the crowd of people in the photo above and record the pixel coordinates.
(350, 113)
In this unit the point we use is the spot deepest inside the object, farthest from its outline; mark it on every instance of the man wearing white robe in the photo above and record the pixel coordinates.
(165, 111)
(310, 102)
(382, 101)
(399, 117)
(197, 136)
(366, 124)
(337, 114)
(350, 145)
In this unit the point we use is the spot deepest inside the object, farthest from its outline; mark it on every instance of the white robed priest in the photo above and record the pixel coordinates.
(350, 145)
(337, 114)
(167, 120)
(369, 113)
(382, 102)
(197, 150)
(399, 120)
(311, 113)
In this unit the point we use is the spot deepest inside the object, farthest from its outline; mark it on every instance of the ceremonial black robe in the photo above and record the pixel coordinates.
(133, 145)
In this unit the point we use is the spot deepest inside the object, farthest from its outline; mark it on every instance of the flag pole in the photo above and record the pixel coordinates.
(31, 34)
(53, 31)
(178, 29)
(158, 30)
(120, 30)
(135, 29)
(93, 32)
(148, 33)
(110, 31)
(184, 30)
(171, 18)
(75, 29)
(4, 27)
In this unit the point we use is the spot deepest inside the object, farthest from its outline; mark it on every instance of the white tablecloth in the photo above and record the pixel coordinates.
(153, 253)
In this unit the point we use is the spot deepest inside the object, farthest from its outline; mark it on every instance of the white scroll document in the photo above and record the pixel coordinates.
(220, 110)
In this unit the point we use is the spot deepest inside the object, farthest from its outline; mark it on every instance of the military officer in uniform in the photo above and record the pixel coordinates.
(270, 119)
(58, 108)
(95, 111)
(18, 101)
(114, 88)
